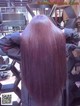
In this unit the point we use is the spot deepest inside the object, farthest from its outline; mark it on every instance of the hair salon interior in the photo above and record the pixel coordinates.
(15, 15)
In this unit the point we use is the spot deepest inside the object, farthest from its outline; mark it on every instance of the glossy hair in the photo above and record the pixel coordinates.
(43, 61)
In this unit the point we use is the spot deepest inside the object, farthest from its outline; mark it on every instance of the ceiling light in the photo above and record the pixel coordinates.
(46, 8)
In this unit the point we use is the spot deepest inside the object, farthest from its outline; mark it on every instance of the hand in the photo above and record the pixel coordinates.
(70, 48)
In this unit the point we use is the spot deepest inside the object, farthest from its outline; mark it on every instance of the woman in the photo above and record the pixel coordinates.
(40, 27)
(43, 60)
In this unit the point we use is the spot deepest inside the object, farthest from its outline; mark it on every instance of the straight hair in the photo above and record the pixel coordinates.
(43, 61)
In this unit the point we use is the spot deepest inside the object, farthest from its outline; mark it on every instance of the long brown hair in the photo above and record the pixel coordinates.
(43, 61)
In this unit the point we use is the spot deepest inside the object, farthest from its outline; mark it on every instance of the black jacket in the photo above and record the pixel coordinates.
(10, 44)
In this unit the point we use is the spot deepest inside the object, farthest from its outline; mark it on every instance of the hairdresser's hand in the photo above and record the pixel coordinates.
(71, 35)
(70, 48)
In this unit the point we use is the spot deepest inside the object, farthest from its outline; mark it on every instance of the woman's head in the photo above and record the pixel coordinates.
(43, 60)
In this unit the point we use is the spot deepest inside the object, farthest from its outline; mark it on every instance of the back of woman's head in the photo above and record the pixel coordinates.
(43, 61)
